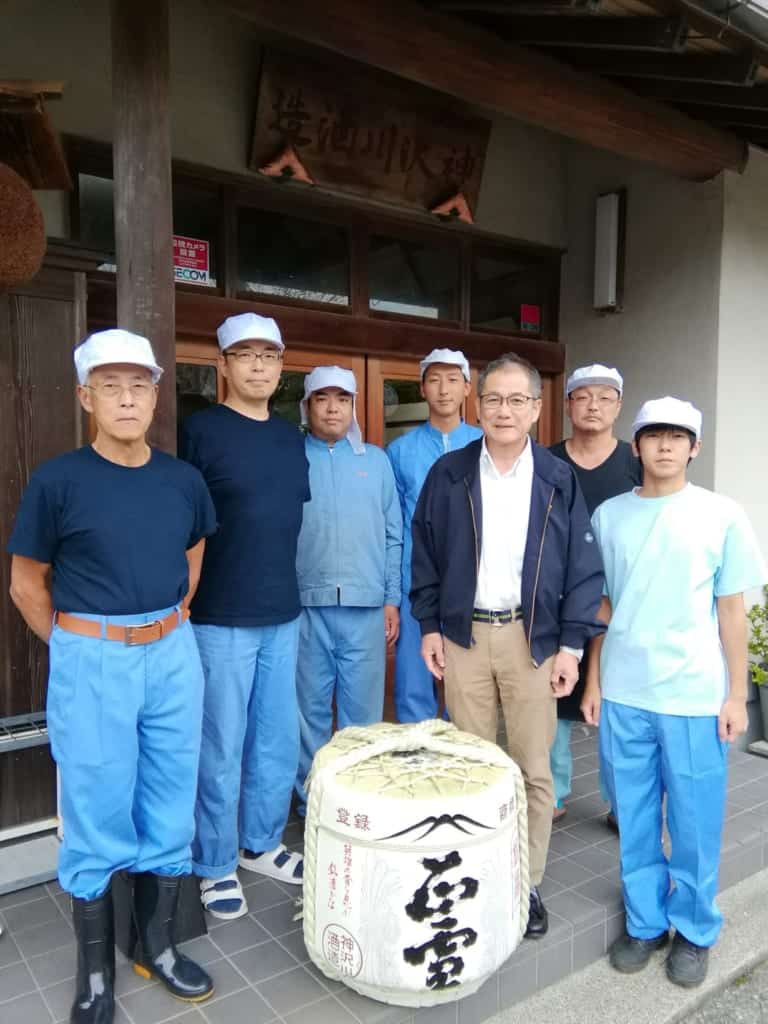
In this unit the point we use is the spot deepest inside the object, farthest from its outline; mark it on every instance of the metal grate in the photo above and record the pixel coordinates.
(20, 731)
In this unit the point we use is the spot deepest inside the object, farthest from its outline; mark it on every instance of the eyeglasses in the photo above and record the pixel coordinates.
(247, 355)
(108, 389)
(491, 402)
(604, 400)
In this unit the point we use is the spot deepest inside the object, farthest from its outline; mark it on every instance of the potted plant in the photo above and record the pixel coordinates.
(758, 648)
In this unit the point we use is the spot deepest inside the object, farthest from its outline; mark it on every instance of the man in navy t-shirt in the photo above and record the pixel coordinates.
(246, 619)
(604, 468)
(107, 549)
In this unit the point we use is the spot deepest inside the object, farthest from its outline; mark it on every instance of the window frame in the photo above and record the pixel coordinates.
(360, 221)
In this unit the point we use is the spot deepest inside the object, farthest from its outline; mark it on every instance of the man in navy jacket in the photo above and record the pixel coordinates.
(506, 583)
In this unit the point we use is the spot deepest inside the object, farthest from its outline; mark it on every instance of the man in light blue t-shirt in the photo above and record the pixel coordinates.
(667, 683)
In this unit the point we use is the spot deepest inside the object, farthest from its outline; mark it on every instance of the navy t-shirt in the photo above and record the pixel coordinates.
(116, 536)
(620, 472)
(258, 476)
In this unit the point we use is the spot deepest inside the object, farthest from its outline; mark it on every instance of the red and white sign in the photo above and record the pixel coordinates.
(530, 318)
(191, 260)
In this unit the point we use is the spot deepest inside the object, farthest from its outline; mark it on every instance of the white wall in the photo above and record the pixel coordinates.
(665, 341)
(214, 80)
(741, 463)
(523, 193)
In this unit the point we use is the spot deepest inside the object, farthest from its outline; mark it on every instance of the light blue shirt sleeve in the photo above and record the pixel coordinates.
(742, 566)
(596, 523)
(394, 539)
(392, 452)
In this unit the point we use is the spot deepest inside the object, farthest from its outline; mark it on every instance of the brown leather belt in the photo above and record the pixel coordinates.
(143, 633)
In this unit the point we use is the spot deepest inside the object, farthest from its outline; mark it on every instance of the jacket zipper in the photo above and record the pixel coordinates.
(536, 579)
(474, 531)
(477, 546)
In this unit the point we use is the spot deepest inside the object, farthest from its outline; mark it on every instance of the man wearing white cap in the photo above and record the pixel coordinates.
(246, 619)
(444, 386)
(106, 550)
(604, 467)
(348, 566)
(506, 583)
(667, 684)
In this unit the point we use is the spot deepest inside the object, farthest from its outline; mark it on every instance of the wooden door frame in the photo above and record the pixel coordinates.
(295, 359)
(379, 369)
(407, 368)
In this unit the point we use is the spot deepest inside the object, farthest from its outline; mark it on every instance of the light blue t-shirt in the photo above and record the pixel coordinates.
(666, 561)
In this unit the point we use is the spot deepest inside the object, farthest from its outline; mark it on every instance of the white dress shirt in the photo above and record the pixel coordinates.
(506, 501)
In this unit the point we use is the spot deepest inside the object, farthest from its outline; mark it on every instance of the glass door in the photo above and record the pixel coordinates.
(198, 381)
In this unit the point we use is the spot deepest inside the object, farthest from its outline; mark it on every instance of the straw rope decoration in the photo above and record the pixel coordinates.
(353, 748)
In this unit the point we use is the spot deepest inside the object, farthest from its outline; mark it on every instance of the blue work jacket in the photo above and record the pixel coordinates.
(412, 456)
(562, 579)
(351, 539)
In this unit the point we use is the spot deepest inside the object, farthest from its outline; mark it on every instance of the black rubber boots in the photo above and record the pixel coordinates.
(94, 925)
(155, 898)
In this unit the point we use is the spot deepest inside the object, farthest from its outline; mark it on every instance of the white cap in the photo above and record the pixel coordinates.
(114, 346)
(248, 327)
(672, 411)
(448, 356)
(334, 377)
(595, 374)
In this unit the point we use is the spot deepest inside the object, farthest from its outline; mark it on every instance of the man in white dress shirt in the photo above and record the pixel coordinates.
(506, 583)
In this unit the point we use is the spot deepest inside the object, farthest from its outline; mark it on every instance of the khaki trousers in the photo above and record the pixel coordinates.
(498, 667)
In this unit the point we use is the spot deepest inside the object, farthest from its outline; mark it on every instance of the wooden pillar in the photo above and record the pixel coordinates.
(143, 197)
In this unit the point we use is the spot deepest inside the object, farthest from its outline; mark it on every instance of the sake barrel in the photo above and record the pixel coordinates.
(415, 861)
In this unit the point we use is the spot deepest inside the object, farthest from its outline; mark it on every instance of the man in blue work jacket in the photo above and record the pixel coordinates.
(444, 387)
(506, 583)
(107, 549)
(348, 567)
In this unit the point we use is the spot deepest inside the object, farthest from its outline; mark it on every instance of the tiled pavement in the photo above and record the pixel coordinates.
(260, 966)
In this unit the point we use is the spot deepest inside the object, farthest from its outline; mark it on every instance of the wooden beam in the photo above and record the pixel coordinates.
(753, 98)
(31, 87)
(467, 62)
(199, 315)
(142, 174)
(512, 6)
(578, 30)
(715, 69)
(713, 26)
(730, 116)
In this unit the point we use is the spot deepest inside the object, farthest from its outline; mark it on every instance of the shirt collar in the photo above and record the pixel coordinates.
(434, 432)
(522, 463)
(316, 442)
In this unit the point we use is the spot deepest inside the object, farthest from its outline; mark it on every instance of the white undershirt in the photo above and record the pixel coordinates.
(506, 501)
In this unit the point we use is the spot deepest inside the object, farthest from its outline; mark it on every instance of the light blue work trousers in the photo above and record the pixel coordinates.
(341, 654)
(124, 725)
(415, 690)
(250, 744)
(561, 764)
(646, 755)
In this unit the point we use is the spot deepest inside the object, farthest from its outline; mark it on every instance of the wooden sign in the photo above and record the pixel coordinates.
(356, 131)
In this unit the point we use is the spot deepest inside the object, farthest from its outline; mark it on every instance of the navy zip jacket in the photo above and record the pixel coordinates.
(562, 580)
